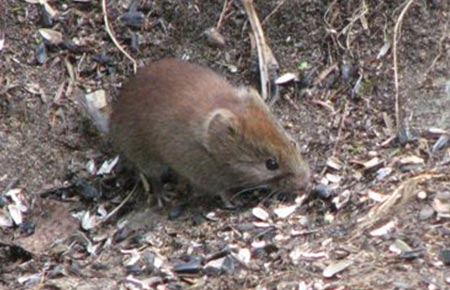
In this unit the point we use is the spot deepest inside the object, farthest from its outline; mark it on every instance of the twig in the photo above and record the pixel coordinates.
(339, 135)
(13, 182)
(265, 56)
(222, 14)
(359, 14)
(113, 38)
(341, 126)
(433, 63)
(117, 207)
(275, 10)
(324, 74)
(398, 101)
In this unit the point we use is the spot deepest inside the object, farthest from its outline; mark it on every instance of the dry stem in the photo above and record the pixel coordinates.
(113, 38)
(265, 56)
(398, 100)
(222, 14)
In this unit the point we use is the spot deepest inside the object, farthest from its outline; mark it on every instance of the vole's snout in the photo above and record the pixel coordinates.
(301, 182)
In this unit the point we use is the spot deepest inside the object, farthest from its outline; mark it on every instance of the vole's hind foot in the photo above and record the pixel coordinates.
(155, 190)
(163, 197)
(227, 202)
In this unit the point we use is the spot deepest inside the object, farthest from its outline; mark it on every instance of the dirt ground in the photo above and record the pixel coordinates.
(377, 219)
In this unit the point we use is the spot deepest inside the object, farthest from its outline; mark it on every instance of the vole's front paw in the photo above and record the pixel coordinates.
(227, 201)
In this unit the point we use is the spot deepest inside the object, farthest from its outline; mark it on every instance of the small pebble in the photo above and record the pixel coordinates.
(441, 143)
(426, 212)
(47, 20)
(444, 255)
(410, 255)
(133, 19)
(176, 212)
(322, 191)
(191, 267)
(214, 38)
(41, 53)
(422, 195)
(346, 71)
(382, 173)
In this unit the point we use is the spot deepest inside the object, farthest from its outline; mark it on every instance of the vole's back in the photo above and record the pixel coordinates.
(157, 118)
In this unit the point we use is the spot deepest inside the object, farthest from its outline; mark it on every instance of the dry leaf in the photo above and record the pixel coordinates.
(52, 36)
(383, 230)
(284, 212)
(333, 269)
(260, 213)
(286, 78)
(108, 166)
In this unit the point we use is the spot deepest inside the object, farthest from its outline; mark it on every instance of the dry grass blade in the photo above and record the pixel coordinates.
(398, 101)
(275, 10)
(358, 15)
(113, 38)
(267, 61)
(116, 209)
(222, 14)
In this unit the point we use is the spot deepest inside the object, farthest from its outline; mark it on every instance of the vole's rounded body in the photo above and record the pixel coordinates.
(219, 137)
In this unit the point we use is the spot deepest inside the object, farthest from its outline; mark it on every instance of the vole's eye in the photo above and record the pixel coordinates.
(272, 164)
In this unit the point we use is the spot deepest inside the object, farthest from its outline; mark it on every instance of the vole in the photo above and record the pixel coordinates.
(221, 138)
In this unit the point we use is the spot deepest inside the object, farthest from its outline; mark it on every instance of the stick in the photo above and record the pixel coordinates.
(398, 101)
(116, 209)
(275, 10)
(222, 15)
(265, 55)
(113, 38)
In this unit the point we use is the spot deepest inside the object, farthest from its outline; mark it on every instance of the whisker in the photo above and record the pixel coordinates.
(271, 194)
(263, 186)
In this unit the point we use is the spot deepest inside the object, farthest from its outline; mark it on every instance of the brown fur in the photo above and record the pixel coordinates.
(186, 117)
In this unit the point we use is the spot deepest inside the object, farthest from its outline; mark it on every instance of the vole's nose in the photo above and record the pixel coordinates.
(302, 182)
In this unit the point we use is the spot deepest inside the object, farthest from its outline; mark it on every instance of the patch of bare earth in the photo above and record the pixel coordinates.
(379, 217)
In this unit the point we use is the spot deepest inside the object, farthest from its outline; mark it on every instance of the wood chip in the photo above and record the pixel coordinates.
(399, 247)
(383, 230)
(260, 213)
(88, 221)
(285, 211)
(286, 78)
(441, 206)
(15, 213)
(375, 196)
(52, 36)
(374, 162)
(335, 268)
(334, 163)
(411, 160)
(108, 166)
(5, 220)
(333, 178)
(244, 256)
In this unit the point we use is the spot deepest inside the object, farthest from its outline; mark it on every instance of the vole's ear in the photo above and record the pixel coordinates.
(220, 129)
